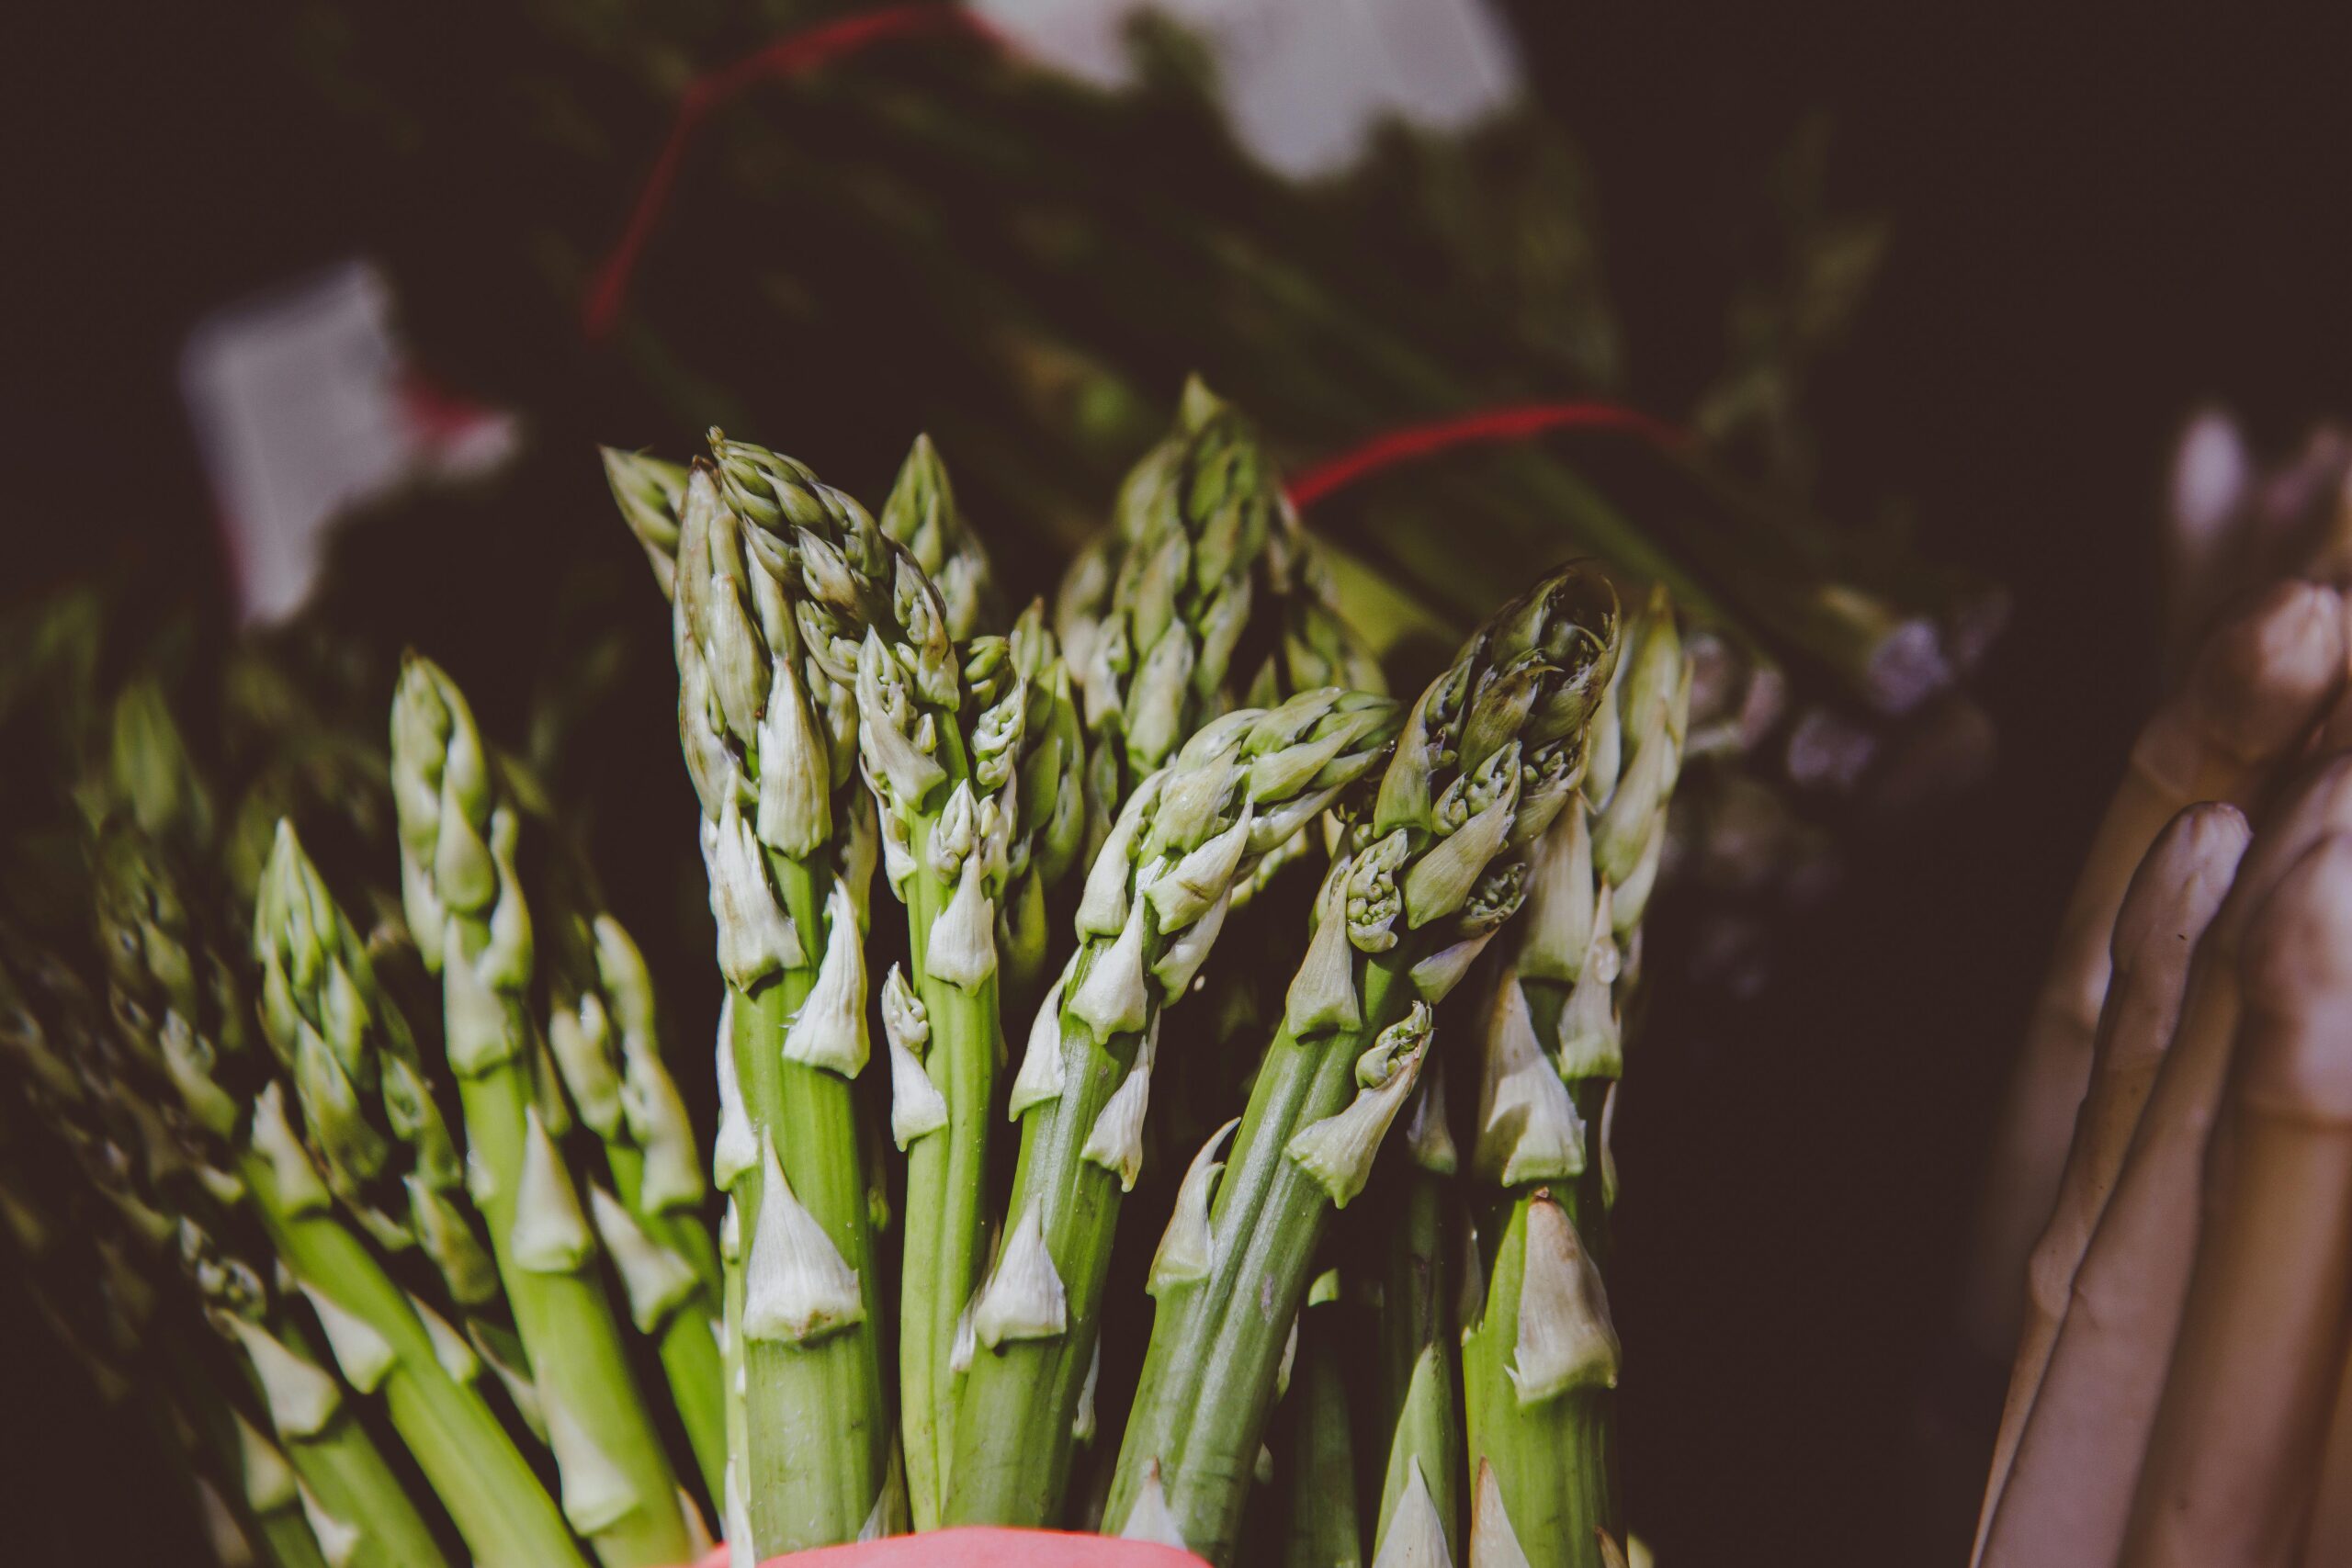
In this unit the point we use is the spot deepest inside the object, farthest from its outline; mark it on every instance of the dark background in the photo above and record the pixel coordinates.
(2101, 217)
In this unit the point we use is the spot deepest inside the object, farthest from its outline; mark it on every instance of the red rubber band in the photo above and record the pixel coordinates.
(1515, 423)
(788, 57)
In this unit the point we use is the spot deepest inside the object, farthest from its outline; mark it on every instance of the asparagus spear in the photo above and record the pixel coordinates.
(2068, 1497)
(1154, 900)
(607, 1046)
(1540, 1357)
(257, 1489)
(2233, 1459)
(1317, 1471)
(767, 721)
(1489, 755)
(1419, 1506)
(958, 816)
(334, 1030)
(466, 911)
(650, 493)
(353, 1068)
(2171, 902)
(966, 761)
(2261, 683)
(1162, 618)
(922, 514)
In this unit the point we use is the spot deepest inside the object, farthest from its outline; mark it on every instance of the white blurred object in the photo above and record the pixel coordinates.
(1305, 82)
(304, 405)
(2211, 471)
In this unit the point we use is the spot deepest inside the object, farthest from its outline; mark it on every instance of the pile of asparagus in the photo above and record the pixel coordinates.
(397, 1211)
(387, 1207)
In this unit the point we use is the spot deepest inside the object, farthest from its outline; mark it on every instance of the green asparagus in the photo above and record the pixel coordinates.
(1244, 785)
(1204, 592)
(334, 1029)
(1430, 872)
(1540, 1355)
(466, 912)
(967, 788)
(767, 720)
(603, 1037)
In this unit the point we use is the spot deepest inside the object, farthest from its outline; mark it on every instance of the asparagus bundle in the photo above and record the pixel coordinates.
(2179, 1408)
(1540, 1352)
(975, 778)
(2261, 683)
(249, 1199)
(2172, 901)
(606, 1044)
(333, 1226)
(1432, 867)
(413, 1150)
(975, 772)
(467, 913)
(767, 718)
(1155, 902)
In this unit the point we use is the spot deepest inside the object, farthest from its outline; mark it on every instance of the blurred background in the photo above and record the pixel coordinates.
(2091, 227)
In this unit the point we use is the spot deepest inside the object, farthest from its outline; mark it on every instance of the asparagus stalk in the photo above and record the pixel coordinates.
(1154, 900)
(352, 1067)
(2233, 1459)
(943, 770)
(608, 1046)
(1421, 1491)
(1541, 1356)
(767, 718)
(1489, 755)
(2261, 683)
(921, 516)
(649, 493)
(2068, 1497)
(336, 1032)
(466, 911)
(1318, 1469)
(2172, 900)
(257, 1488)
(970, 772)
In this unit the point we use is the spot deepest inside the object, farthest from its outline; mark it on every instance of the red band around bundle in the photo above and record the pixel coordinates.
(1515, 423)
(794, 56)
